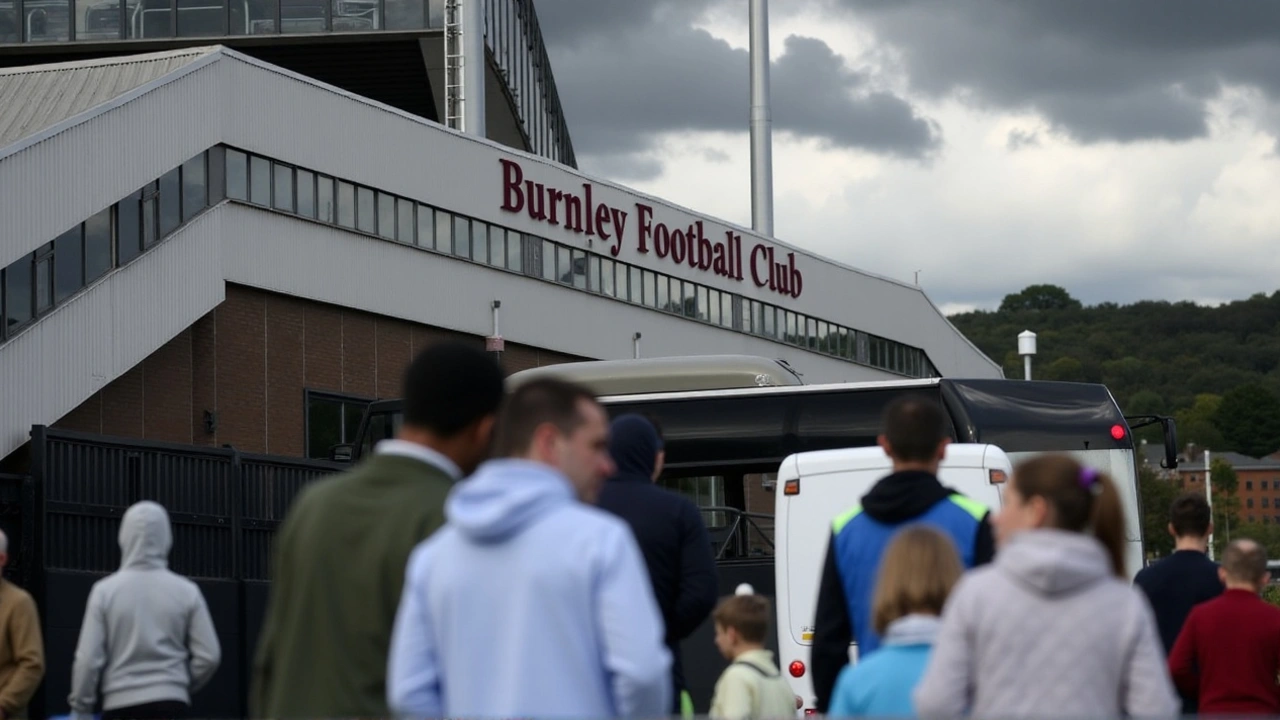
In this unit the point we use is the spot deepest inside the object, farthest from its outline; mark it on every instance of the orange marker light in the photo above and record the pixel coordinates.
(792, 487)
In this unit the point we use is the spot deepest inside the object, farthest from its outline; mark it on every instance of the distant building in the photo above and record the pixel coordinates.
(1259, 479)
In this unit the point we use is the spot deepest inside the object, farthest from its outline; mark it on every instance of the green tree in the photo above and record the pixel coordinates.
(1157, 497)
(1249, 418)
(1226, 505)
(1067, 369)
(1040, 297)
(1196, 425)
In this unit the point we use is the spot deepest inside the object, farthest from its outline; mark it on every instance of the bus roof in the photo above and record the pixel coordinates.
(771, 390)
(667, 374)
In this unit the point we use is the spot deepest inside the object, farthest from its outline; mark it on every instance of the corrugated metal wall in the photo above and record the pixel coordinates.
(49, 187)
(361, 141)
(49, 369)
(292, 256)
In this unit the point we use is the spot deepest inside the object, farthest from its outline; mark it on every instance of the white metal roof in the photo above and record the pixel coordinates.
(37, 97)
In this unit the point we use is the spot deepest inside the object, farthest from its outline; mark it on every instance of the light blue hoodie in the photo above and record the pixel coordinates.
(527, 603)
(880, 685)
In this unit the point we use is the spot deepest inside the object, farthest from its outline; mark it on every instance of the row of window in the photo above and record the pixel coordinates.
(98, 20)
(324, 198)
(512, 32)
(41, 280)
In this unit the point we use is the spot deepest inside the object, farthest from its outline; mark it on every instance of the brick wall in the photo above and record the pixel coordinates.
(250, 362)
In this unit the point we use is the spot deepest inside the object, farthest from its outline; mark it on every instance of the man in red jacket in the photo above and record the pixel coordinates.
(1229, 648)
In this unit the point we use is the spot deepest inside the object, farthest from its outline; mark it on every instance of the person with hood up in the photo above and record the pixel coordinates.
(671, 534)
(1052, 629)
(529, 602)
(914, 436)
(147, 638)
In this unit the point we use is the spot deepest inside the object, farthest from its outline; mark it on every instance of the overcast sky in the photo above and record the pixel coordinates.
(1124, 150)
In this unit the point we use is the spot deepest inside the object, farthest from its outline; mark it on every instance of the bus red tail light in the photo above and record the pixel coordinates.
(1117, 432)
(796, 669)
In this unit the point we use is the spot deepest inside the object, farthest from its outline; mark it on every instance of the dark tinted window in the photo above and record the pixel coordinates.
(1022, 416)
(68, 264)
(710, 431)
(97, 245)
(846, 419)
(195, 188)
(170, 202)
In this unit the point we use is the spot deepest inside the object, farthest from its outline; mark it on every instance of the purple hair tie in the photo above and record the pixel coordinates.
(1089, 480)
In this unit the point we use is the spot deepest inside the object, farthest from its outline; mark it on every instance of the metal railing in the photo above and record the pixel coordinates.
(738, 534)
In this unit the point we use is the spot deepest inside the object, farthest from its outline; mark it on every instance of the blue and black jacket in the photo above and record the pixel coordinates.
(858, 539)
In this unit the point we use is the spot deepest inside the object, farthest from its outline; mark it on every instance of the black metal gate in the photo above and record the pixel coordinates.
(224, 506)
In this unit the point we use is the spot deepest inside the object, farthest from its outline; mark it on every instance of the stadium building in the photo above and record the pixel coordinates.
(227, 225)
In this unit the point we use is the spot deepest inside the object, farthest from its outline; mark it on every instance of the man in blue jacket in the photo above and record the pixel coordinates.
(914, 435)
(672, 537)
(529, 602)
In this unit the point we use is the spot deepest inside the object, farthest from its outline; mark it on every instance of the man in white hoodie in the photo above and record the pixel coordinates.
(147, 637)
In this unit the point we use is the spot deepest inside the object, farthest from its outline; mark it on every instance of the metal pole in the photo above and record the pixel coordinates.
(635, 346)
(473, 67)
(1208, 491)
(1026, 366)
(761, 122)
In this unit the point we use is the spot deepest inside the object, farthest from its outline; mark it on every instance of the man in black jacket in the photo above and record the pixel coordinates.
(671, 534)
(914, 436)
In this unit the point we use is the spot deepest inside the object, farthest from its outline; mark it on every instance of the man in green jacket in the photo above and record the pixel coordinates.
(341, 551)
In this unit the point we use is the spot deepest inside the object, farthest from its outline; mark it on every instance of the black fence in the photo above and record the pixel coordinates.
(224, 506)
(63, 519)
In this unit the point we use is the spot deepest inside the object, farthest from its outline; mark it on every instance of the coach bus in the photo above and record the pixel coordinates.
(727, 438)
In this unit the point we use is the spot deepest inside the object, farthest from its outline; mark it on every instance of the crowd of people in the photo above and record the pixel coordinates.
(1048, 626)
(509, 554)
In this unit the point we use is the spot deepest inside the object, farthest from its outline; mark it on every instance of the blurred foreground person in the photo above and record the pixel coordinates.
(919, 568)
(671, 534)
(1229, 649)
(752, 687)
(147, 639)
(21, 645)
(529, 602)
(341, 552)
(1051, 629)
(915, 437)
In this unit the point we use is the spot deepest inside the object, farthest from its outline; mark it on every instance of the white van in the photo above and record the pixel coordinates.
(815, 487)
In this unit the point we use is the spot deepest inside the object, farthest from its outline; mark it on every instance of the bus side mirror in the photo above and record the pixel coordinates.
(1170, 442)
(1170, 428)
(341, 453)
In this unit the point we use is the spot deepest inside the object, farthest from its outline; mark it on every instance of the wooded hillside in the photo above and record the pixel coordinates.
(1216, 369)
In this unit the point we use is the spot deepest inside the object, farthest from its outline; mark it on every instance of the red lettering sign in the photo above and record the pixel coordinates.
(579, 213)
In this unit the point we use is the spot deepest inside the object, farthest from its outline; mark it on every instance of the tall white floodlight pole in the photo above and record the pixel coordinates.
(473, 67)
(761, 122)
(1026, 348)
(1208, 492)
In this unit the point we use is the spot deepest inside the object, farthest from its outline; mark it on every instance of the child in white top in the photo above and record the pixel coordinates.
(751, 688)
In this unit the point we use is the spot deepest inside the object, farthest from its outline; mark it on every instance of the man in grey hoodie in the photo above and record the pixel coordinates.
(147, 636)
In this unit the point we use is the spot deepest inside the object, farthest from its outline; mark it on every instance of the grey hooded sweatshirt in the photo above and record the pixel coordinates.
(147, 635)
(1047, 631)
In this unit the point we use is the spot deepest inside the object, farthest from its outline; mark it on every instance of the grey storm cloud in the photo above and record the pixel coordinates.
(1099, 70)
(627, 72)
